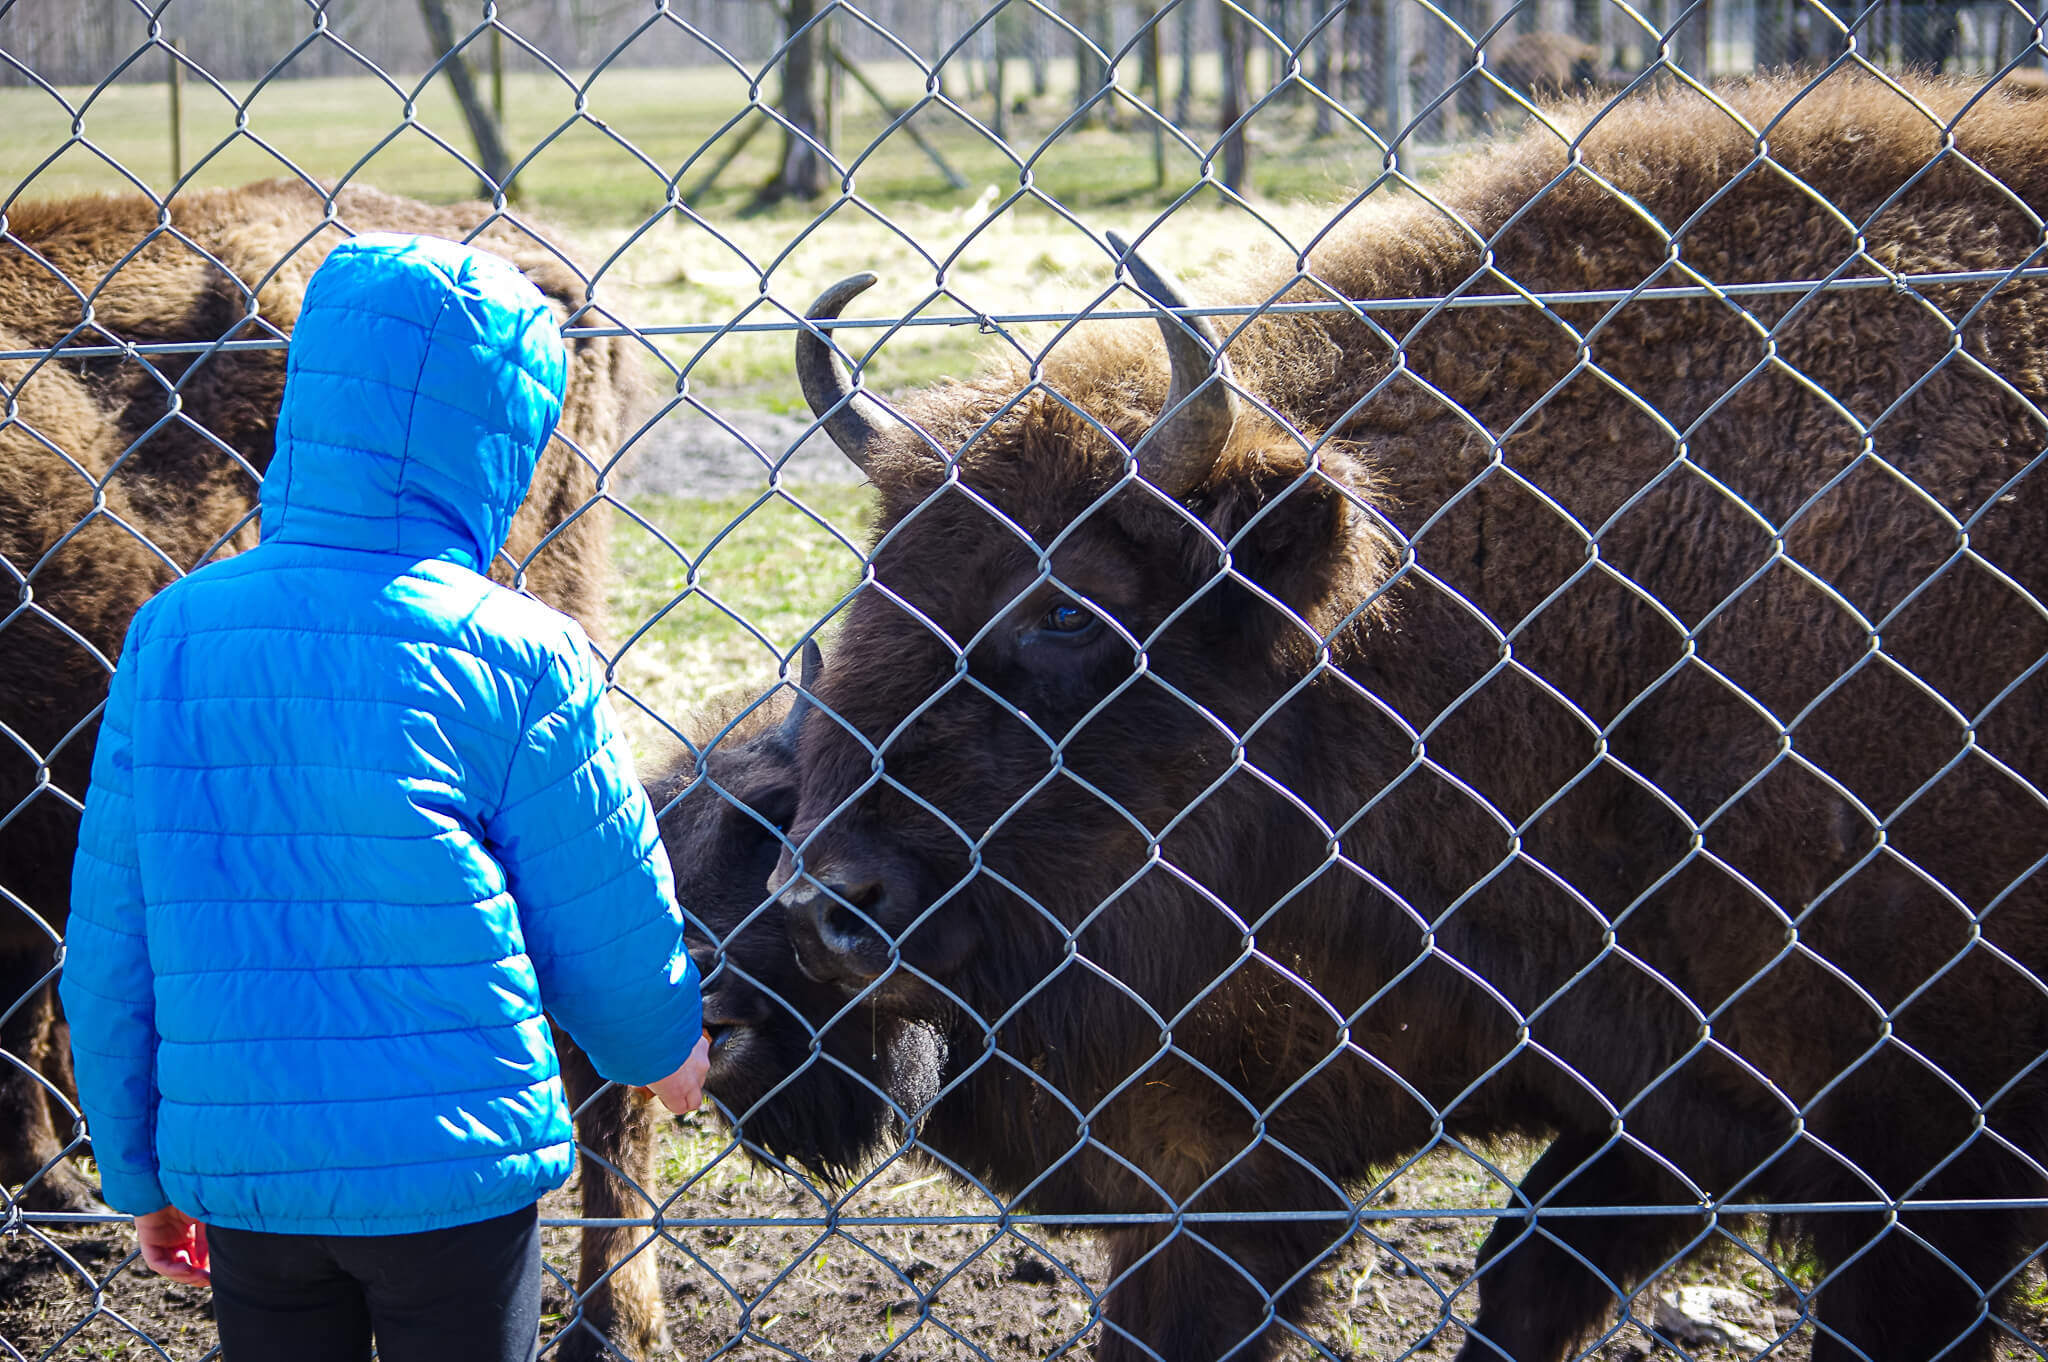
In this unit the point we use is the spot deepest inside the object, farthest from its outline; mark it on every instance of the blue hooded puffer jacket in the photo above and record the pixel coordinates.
(357, 814)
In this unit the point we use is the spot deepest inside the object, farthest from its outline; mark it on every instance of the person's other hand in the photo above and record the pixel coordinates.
(682, 1092)
(174, 1246)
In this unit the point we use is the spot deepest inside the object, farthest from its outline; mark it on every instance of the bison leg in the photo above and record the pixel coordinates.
(1216, 1289)
(1538, 1299)
(1893, 1298)
(31, 1138)
(618, 1286)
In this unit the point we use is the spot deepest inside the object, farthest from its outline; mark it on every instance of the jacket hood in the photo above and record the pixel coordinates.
(423, 380)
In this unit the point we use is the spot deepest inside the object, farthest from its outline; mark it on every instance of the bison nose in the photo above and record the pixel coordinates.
(832, 928)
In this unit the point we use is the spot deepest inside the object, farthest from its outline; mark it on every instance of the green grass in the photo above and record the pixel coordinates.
(779, 565)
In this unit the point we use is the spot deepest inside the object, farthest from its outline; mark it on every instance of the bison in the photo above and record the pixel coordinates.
(1546, 65)
(121, 469)
(1266, 750)
(725, 799)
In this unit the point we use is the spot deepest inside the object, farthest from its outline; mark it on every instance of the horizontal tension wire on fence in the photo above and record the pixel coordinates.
(1667, 293)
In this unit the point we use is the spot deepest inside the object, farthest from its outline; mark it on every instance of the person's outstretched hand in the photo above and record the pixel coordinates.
(682, 1092)
(174, 1246)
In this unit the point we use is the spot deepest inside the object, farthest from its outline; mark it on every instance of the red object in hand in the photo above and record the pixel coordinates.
(174, 1246)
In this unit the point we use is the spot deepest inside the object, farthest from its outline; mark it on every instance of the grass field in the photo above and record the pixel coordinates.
(604, 176)
(639, 131)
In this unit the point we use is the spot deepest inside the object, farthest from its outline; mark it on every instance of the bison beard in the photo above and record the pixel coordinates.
(180, 480)
(1651, 765)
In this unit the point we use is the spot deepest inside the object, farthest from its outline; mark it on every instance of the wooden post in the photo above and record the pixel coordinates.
(1767, 34)
(177, 110)
(1354, 59)
(1617, 48)
(1090, 74)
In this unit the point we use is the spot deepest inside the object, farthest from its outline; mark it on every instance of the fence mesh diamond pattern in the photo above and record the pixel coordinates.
(1355, 678)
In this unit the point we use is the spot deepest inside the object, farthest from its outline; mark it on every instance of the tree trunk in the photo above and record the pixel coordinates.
(1184, 46)
(1395, 88)
(801, 174)
(1091, 73)
(992, 53)
(1690, 45)
(1355, 57)
(1236, 153)
(483, 128)
(1437, 67)
(1326, 69)
(1148, 45)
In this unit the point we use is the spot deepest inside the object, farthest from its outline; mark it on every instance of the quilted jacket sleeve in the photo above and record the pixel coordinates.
(577, 838)
(108, 987)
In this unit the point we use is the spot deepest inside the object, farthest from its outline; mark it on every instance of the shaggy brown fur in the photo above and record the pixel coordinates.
(1625, 725)
(116, 475)
(1547, 65)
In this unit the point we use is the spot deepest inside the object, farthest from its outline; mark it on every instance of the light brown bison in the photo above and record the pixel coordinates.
(1269, 750)
(118, 472)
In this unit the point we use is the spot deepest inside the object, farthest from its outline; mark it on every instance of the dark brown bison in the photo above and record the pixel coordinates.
(120, 471)
(725, 800)
(1265, 752)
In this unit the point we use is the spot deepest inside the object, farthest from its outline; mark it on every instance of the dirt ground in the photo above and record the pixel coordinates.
(928, 1291)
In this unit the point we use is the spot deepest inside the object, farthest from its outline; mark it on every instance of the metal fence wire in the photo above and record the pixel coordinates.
(1386, 698)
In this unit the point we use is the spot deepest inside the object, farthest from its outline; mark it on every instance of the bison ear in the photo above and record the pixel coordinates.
(1293, 532)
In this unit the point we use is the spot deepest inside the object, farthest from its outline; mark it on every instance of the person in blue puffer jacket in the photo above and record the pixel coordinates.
(357, 816)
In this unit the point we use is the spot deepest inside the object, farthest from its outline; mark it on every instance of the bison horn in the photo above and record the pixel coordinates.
(862, 427)
(814, 663)
(1181, 451)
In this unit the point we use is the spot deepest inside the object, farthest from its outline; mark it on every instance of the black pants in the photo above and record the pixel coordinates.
(469, 1293)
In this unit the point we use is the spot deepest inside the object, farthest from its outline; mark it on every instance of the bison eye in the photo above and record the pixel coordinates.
(1064, 617)
(1065, 623)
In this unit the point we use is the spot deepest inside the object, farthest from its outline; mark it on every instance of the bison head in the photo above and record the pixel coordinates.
(803, 1075)
(1052, 798)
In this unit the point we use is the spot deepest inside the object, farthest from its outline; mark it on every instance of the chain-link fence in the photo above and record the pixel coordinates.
(1443, 749)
